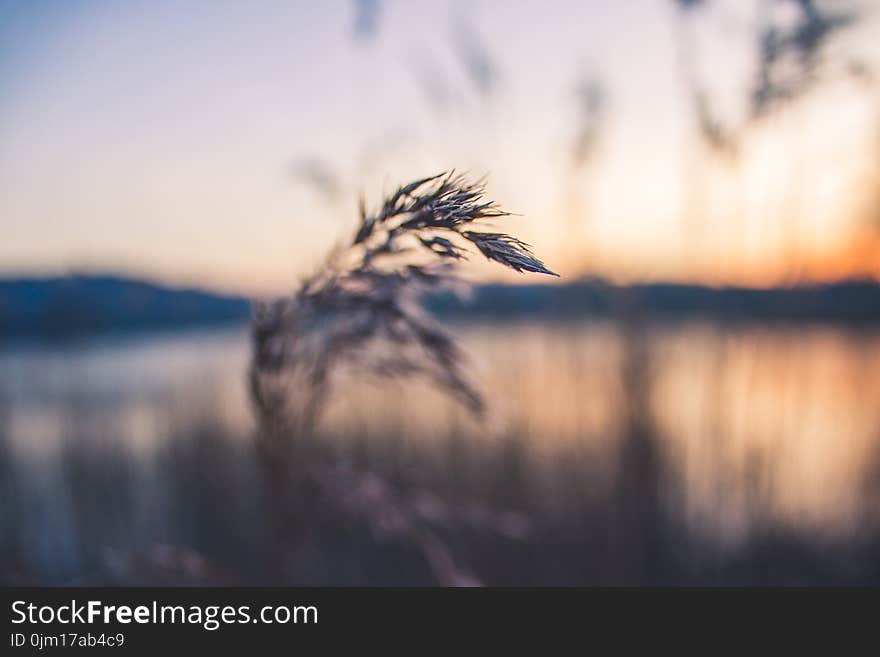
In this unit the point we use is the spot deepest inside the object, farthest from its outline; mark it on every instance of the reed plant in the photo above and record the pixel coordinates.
(360, 314)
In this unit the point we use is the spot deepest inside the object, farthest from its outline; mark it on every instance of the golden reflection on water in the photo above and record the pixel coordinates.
(780, 421)
(785, 420)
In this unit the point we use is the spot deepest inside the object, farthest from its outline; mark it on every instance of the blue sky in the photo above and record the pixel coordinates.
(225, 143)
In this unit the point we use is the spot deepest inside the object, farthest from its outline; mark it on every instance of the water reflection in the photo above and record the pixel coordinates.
(698, 435)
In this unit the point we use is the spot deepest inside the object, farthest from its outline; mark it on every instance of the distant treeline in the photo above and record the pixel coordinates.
(73, 305)
(848, 301)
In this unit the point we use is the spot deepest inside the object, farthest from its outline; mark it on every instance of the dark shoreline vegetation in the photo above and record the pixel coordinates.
(366, 511)
(71, 306)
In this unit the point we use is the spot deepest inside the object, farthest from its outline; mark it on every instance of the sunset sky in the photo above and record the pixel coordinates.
(225, 143)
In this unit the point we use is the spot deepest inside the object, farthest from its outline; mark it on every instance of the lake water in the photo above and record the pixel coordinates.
(760, 423)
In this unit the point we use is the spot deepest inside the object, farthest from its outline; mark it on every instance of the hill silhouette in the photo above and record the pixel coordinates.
(35, 307)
